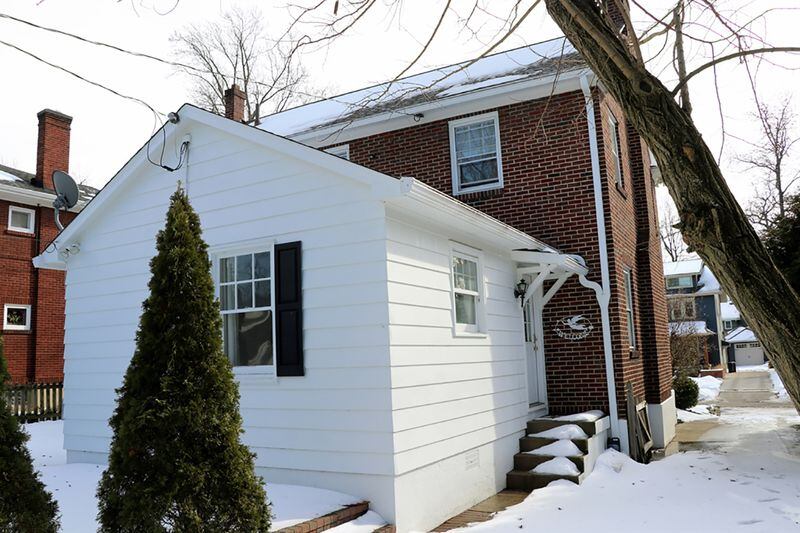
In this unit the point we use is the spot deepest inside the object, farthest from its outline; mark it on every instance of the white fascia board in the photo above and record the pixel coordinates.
(564, 261)
(479, 100)
(450, 212)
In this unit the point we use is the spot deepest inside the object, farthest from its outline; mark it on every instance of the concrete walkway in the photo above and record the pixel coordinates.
(750, 419)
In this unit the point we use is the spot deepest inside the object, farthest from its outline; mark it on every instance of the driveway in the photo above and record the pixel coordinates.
(750, 419)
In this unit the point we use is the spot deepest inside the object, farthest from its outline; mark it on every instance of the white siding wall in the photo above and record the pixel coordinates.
(459, 403)
(330, 428)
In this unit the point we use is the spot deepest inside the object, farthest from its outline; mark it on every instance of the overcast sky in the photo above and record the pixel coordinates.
(107, 130)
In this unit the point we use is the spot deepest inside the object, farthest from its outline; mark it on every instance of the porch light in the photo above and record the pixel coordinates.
(521, 288)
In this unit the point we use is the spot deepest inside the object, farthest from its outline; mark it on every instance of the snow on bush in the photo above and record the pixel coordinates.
(709, 387)
(559, 448)
(557, 466)
(569, 431)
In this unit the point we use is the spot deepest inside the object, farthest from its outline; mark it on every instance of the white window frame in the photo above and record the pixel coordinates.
(453, 124)
(32, 219)
(727, 324)
(15, 327)
(629, 315)
(249, 247)
(468, 330)
(343, 151)
(677, 284)
(616, 142)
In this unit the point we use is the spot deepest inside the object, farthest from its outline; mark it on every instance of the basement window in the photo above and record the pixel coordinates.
(475, 154)
(21, 219)
(16, 317)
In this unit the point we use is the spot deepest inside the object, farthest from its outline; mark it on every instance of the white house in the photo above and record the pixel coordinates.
(409, 383)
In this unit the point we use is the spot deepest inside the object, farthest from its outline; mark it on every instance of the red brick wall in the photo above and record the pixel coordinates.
(38, 354)
(548, 192)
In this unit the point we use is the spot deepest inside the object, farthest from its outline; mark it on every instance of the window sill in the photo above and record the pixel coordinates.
(620, 190)
(470, 334)
(13, 331)
(479, 192)
(20, 233)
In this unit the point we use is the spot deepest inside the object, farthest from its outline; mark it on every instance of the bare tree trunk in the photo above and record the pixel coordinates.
(713, 224)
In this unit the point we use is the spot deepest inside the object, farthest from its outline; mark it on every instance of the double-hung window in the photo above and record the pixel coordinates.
(680, 282)
(616, 155)
(21, 219)
(246, 302)
(475, 154)
(629, 309)
(467, 292)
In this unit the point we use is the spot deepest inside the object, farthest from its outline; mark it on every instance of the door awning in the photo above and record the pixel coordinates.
(542, 266)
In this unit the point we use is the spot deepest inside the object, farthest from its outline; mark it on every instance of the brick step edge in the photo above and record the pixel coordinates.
(330, 520)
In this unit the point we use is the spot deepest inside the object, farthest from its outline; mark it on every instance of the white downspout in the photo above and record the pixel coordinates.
(603, 292)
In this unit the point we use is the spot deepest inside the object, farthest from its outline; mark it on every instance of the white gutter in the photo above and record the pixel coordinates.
(603, 292)
(31, 197)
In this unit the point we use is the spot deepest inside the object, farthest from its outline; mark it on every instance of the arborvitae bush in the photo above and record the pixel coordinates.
(176, 462)
(25, 505)
(686, 392)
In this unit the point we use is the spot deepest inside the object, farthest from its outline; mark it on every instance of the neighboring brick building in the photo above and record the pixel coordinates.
(542, 177)
(33, 299)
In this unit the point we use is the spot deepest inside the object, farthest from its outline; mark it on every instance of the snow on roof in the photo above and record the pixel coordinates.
(689, 328)
(683, 268)
(741, 334)
(529, 62)
(708, 282)
(6, 176)
(728, 311)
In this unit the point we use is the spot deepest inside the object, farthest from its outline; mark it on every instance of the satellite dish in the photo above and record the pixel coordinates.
(67, 193)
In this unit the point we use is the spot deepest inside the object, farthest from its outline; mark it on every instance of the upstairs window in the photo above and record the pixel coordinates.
(475, 154)
(680, 282)
(245, 294)
(682, 309)
(21, 219)
(467, 292)
(615, 151)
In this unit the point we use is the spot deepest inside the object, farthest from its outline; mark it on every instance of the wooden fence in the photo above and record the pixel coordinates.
(34, 402)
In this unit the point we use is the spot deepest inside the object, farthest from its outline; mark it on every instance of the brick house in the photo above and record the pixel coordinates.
(549, 116)
(33, 299)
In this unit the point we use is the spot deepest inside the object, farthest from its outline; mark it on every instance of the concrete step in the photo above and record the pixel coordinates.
(528, 481)
(527, 461)
(543, 424)
(527, 444)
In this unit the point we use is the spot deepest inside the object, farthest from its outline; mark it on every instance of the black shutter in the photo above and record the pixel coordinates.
(289, 309)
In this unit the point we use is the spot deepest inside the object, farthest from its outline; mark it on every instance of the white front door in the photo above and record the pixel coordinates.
(534, 351)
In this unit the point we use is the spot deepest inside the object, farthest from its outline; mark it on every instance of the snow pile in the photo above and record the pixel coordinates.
(588, 416)
(777, 385)
(568, 431)
(559, 448)
(5, 176)
(557, 466)
(74, 485)
(709, 387)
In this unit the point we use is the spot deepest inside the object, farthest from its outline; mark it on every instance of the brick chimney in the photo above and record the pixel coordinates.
(234, 103)
(616, 15)
(52, 151)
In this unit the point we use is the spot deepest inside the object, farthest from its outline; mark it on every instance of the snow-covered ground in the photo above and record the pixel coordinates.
(74, 486)
(750, 481)
(777, 385)
(709, 387)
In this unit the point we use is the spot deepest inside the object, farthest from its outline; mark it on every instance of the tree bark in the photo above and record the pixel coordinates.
(712, 222)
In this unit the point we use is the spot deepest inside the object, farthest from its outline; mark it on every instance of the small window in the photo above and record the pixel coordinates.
(246, 303)
(343, 151)
(17, 317)
(615, 151)
(21, 219)
(475, 154)
(680, 282)
(727, 324)
(467, 288)
(629, 309)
